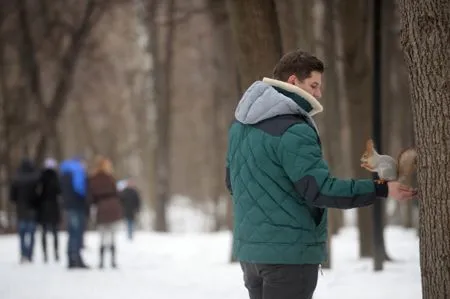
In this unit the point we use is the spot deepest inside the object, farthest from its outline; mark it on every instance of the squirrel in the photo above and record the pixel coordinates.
(402, 170)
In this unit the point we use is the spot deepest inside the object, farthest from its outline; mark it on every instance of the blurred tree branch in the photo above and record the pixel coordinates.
(93, 11)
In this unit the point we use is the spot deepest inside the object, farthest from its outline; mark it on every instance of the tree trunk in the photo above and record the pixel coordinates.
(425, 39)
(288, 24)
(408, 215)
(224, 98)
(338, 156)
(328, 122)
(295, 21)
(163, 74)
(256, 34)
(4, 125)
(66, 68)
(148, 103)
(345, 168)
(357, 70)
(145, 129)
(398, 128)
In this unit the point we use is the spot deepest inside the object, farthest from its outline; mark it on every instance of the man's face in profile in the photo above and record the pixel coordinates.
(312, 84)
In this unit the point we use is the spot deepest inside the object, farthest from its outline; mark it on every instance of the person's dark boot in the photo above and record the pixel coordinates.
(102, 254)
(44, 246)
(24, 260)
(56, 247)
(113, 256)
(72, 263)
(81, 264)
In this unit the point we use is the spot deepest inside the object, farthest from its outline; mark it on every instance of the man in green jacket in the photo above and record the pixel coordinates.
(280, 184)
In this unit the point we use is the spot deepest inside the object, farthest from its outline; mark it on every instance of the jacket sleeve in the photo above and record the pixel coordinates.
(228, 180)
(79, 180)
(138, 200)
(227, 174)
(301, 157)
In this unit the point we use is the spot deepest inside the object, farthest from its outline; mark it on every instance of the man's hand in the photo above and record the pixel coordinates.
(400, 192)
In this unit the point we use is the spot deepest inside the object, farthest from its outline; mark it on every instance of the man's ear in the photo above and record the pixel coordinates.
(291, 79)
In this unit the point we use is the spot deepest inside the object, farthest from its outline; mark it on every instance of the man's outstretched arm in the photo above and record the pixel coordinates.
(301, 157)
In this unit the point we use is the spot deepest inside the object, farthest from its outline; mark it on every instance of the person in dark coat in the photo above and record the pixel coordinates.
(24, 194)
(131, 203)
(49, 208)
(103, 194)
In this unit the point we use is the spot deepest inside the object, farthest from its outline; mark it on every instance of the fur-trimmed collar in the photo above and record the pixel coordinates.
(315, 105)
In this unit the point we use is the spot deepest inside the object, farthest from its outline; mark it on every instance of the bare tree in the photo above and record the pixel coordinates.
(162, 78)
(425, 38)
(50, 109)
(397, 129)
(257, 37)
(332, 124)
(41, 46)
(357, 72)
(296, 19)
(224, 97)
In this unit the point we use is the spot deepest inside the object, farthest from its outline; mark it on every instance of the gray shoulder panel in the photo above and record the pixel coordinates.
(277, 125)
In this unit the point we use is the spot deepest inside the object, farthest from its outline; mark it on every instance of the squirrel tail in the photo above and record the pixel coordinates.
(407, 162)
(370, 148)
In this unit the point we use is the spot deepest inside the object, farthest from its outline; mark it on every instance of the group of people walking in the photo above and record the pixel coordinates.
(35, 194)
(45, 197)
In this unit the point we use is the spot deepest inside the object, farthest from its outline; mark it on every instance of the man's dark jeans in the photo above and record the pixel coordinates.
(26, 230)
(265, 281)
(75, 227)
(130, 228)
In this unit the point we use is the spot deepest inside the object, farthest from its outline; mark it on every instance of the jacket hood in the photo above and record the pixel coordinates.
(26, 173)
(269, 98)
(26, 166)
(50, 163)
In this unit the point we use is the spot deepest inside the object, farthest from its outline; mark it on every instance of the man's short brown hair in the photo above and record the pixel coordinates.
(298, 63)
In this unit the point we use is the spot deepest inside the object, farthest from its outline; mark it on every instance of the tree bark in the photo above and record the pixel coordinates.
(224, 102)
(397, 112)
(5, 150)
(149, 104)
(256, 34)
(329, 122)
(295, 22)
(289, 29)
(345, 168)
(425, 39)
(91, 14)
(217, 157)
(357, 68)
(163, 75)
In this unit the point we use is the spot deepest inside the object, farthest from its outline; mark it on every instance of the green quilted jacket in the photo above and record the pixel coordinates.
(279, 181)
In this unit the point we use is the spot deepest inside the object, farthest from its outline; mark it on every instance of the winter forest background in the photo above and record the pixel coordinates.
(153, 85)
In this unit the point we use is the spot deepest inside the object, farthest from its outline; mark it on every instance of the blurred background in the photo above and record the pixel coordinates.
(153, 85)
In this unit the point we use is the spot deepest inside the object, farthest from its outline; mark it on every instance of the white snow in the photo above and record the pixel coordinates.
(195, 265)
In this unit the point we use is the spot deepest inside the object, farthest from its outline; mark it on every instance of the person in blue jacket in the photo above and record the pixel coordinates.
(74, 193)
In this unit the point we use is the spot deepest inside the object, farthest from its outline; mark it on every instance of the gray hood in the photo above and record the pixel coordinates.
(262, 101)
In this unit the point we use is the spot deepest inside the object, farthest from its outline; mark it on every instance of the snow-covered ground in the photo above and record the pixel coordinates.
(195, 265)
